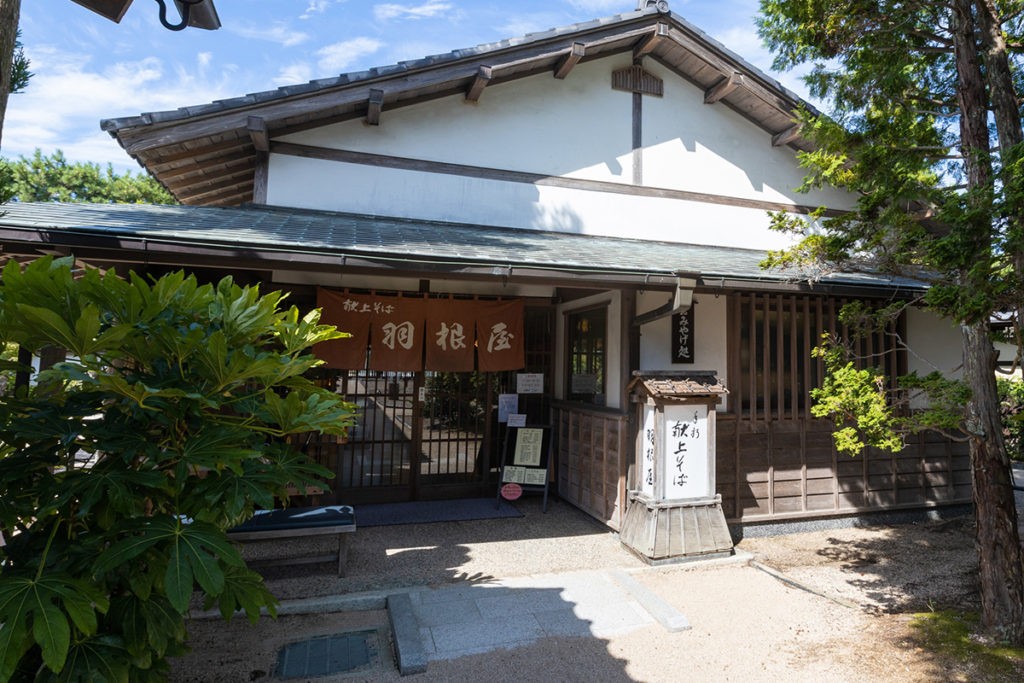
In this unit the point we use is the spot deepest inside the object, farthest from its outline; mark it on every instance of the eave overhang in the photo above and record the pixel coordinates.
(208, 155)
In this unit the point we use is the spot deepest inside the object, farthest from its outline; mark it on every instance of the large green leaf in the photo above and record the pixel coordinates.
(100, 659)
(143, 537)
(178, 579)
(52, 632)
(33, 605)
(243, 589)
(15, 641)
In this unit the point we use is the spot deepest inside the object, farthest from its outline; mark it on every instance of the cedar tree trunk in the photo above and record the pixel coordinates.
(1001, 572)
(10, 13)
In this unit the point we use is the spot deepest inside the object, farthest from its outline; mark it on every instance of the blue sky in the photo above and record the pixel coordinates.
(88, 68)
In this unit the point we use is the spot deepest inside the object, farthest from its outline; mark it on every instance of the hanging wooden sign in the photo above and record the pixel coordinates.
(412, 333)
(682, 336)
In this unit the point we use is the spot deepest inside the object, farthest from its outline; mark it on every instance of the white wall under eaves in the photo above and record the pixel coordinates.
(576, 128)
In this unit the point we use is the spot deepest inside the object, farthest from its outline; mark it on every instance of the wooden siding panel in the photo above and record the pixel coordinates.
(592, 456)
(788, 469)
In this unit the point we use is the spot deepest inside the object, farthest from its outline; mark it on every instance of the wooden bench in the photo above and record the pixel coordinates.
(301, 521)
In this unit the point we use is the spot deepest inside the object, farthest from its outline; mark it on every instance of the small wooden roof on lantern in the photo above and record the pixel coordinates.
(694, 386)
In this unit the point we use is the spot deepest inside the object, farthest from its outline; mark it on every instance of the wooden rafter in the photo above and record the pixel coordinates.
(576, 53)
(480, 81)
(257, 128)
(722, 87)
(647, 45)
(194, 192)
(787, 136)
(233, 162)
(190, 154)
(232, 196)
(374, 106)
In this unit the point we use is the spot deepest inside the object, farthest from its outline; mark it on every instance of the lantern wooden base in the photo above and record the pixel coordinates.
(673, 531)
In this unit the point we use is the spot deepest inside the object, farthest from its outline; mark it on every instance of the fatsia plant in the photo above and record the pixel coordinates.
(122, 466)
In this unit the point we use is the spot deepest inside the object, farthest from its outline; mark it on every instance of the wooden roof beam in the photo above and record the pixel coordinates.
(188, 153)
(787, 136)
(647, 45)
(257, 127)
(220, 163)
(374, 106)
(570, 60)
(231, 197)
(722, 87)
(190, 190)
(480, 81)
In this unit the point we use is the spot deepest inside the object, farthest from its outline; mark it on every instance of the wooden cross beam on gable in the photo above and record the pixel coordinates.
(636, 80)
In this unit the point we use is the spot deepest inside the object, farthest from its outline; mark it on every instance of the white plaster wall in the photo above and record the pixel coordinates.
(576, 128)
(613, 365)
(710, 349)
(1007, 352)
(689, 145)
(934, 344)
(334, 186)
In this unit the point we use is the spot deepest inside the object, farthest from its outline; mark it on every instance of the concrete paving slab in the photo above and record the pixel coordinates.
(470, 619)
(564, 623)
(457, 640)
(409, 653)
(614, 617)
(466, 591)
(456, 611)
(535, 600)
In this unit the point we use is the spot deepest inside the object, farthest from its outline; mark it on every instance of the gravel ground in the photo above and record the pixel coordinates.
(846, 620)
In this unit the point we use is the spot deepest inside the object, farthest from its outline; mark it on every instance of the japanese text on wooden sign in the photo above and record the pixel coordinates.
(686, 452)
(413, 333)
(682, 336)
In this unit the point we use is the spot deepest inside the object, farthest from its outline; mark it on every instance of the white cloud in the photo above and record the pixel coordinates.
(315, 7)
(69, 96)
(604, 6)
(521, 25)
(279, 33)
(432, 8)
(293, 74)
(338, 57)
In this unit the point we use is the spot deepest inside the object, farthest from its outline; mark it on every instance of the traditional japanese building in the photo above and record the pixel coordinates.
(527, 224)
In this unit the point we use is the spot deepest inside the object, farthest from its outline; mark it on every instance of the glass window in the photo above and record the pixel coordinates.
(585, 334)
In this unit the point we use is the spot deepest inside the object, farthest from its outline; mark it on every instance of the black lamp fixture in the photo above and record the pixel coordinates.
(196, 13)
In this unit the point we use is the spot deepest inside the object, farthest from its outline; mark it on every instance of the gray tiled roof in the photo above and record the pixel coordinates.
(304, 231)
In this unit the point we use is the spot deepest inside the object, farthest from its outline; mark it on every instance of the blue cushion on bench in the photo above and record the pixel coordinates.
(299, 518)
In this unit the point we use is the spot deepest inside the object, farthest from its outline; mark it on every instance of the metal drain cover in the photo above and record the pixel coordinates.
(327, 655)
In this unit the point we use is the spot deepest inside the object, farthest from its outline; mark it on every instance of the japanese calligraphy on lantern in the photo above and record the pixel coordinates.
(686, 452)
(682, 336)
(647, 450)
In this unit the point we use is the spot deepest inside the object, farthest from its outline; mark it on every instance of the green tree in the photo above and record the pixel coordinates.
(53, 178)
(20, 74)
(925, 130)
(122, 466)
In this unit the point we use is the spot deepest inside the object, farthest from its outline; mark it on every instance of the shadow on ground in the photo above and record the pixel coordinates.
(390, 557)
(484, 630)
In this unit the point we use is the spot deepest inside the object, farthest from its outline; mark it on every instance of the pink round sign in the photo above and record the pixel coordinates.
(511, 491)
